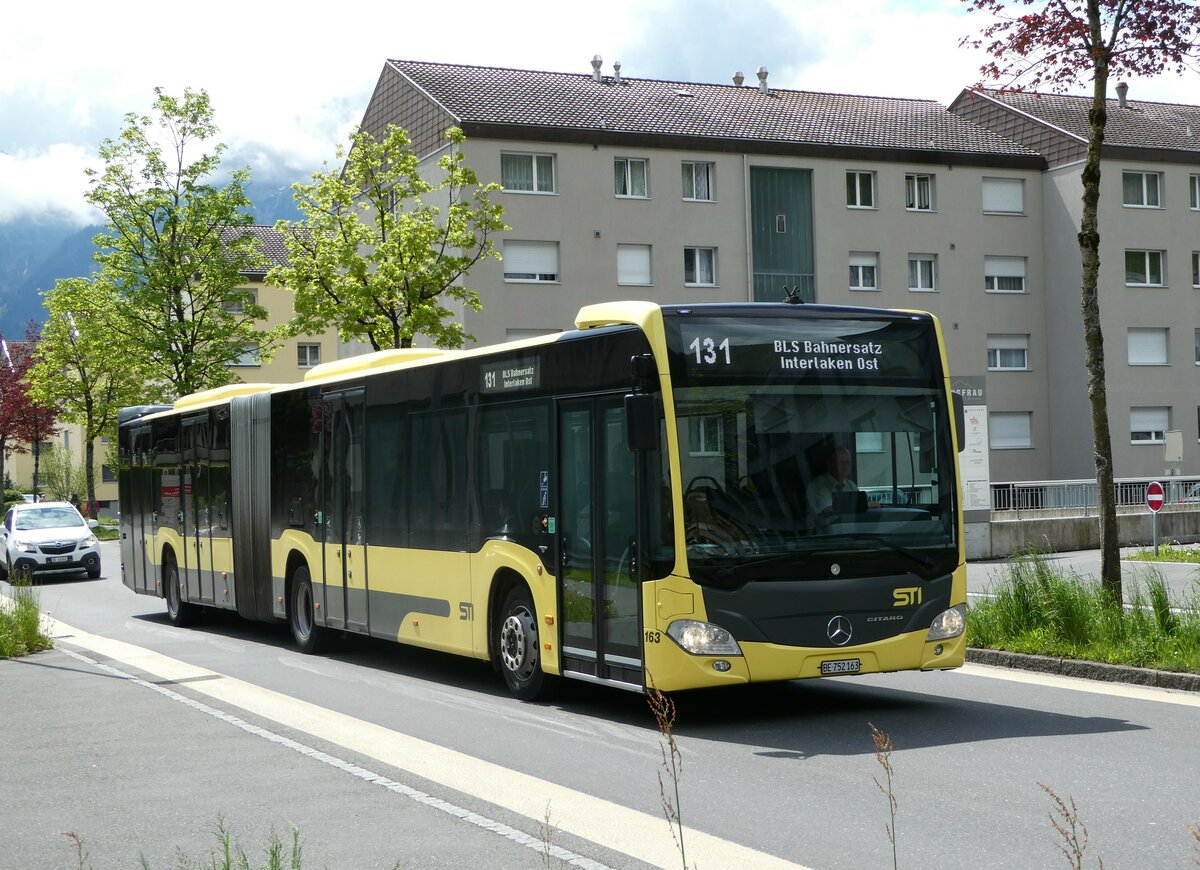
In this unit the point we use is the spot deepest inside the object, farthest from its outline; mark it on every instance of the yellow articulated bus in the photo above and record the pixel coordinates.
(677, 496)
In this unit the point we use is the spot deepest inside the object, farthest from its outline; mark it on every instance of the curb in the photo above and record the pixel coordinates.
(1086, 670)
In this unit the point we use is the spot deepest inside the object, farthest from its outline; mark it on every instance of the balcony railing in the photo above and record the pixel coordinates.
(1081, 497)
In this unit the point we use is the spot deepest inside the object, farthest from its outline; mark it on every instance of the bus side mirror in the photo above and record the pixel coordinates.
(641, 422)
(960, 420)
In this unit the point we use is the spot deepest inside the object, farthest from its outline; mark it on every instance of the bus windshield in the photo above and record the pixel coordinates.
(807, 441)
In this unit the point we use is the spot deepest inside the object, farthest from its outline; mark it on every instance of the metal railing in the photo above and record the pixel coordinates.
(1081, 497)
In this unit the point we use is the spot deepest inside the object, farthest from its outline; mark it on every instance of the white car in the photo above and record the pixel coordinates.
(48, 536)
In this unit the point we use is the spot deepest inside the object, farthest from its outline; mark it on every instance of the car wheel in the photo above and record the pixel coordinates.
(93, 571)
(519, 649)
(309, 636)
(180, 612)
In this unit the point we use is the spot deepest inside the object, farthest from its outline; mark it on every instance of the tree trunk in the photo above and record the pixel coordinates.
(90, 474)
(1089, 249)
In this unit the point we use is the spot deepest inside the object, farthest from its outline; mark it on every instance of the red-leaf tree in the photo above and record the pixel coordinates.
(1057, 44)
(23, 422)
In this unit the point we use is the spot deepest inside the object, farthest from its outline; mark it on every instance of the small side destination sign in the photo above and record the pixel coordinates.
(510, 377)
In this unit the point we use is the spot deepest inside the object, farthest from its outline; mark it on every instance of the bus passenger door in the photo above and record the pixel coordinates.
(343, 512)
(601, 600)
(196, 571)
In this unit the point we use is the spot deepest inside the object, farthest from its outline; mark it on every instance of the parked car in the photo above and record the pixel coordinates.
(48, 536)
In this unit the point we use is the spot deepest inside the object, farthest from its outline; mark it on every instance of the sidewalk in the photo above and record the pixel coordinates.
(135, 774)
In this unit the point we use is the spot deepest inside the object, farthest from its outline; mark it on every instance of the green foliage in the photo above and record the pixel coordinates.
(171, 253)
(381, 252)
(1038, 610)
(21, 625)
(62, 476)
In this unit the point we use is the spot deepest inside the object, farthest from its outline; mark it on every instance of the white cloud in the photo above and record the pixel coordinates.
(50, 183)
(290, 85)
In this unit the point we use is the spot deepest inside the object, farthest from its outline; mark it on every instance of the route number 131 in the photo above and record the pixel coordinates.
(706, 350)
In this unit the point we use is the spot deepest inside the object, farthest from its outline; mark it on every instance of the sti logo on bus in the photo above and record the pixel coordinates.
(906, 596)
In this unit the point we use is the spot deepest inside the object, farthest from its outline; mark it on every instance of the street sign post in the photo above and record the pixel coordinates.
(1154, 501)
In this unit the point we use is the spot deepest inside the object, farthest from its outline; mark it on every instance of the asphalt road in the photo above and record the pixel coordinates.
(139, 737)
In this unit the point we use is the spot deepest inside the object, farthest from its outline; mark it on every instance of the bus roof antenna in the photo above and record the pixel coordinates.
(791, 295)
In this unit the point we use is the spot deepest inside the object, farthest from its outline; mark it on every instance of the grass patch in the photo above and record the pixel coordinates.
(1040, 611)
(21, 623)
(1166, 553)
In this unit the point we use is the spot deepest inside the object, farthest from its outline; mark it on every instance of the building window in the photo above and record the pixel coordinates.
(1008, 353)
(922, 272)
(1144, 269)
(308, 355)
(1004, 196)
(107, 475)
(532, 262)
(633, 264)
(1148, 346)
(700, 267)
(245, 296)
(527, 173)
(705, 436)
(1194, 192)
(918, 192)
(629, 177)
(1149, 425)
(860, 189)
(1010, 430)
(1141, 189)
(1198, 347)
(698, 181)
(1196, 268)
(1004, 274)
(249, 357)
(864, 270)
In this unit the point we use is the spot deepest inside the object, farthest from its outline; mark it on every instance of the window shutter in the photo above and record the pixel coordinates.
(1005, 195)
(1147, 347)
(530, 258)
(633, 264)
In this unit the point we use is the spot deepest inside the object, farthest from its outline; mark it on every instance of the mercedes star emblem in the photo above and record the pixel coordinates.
(839, 630)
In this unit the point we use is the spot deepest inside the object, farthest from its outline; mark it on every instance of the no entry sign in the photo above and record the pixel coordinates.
(1154, 496)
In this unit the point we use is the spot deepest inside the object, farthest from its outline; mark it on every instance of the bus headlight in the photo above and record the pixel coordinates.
(703, 638)
(949, 623)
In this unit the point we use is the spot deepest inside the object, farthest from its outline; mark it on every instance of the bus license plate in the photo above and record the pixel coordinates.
(841, 666)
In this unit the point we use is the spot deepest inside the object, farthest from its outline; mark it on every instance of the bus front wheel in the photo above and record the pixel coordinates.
(519, 648)
(309, 636)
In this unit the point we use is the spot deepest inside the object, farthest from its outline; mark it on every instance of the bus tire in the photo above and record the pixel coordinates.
(180, 612)
(302, 616)
(518, 647)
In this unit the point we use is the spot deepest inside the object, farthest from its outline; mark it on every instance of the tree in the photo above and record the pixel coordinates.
(23, 420)
(374, 257)
(76, 370)
(182, 312)
(1057, 44)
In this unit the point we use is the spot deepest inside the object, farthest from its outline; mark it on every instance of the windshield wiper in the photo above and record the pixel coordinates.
(912, 555)
(739, 568)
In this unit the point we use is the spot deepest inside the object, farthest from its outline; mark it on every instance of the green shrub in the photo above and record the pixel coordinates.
(21, 625)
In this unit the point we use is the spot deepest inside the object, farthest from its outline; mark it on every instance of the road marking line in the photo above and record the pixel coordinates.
(640, 835)
(1079, 684)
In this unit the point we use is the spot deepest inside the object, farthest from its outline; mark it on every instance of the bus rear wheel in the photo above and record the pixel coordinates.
(309, 636)
(180, 612)
(519, 648)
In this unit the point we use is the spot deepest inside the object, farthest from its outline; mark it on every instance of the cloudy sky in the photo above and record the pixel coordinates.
(288, 82)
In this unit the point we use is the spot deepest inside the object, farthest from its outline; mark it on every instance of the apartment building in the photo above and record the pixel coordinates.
(1149, 285)
(620, 187)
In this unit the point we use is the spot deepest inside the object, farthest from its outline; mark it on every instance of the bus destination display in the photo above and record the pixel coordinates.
(720, 348)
